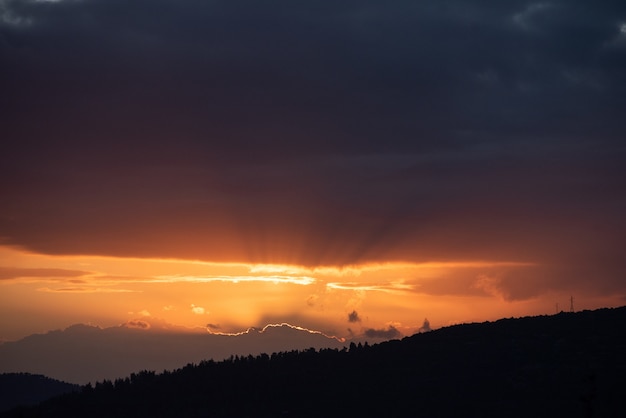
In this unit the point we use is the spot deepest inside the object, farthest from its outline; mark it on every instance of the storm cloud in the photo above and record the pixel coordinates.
(319, 133)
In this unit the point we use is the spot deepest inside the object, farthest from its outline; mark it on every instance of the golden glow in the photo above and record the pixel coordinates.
(268, 326)
(302, 280)
(51, 292)
(83, 290)
(391, 287)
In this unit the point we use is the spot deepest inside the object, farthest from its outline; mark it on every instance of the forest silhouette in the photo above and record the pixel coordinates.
(564, 365)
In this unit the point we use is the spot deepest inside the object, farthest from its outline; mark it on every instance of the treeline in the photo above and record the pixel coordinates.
(562, 365)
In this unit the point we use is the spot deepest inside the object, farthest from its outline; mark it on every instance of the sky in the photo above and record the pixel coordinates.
(350, 167)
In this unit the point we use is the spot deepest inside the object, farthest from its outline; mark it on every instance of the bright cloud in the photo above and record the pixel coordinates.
(198, 310)
(300, 280)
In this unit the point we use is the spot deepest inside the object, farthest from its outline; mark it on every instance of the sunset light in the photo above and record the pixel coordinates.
(234, 296)
(191, 180)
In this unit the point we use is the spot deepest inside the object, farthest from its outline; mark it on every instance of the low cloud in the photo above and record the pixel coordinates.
(301, 280)
(490, 285)
(143, 312)
(390, 287)
(389, 333)
(198, 310)
(9, 273)
(526, 283)
(425, 326)
(354, 317)
(213, 327)
(137, 324)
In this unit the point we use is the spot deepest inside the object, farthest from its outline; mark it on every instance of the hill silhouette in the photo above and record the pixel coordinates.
(28, 389)
(565, 365)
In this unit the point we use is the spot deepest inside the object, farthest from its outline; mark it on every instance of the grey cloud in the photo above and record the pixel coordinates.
(390, 333)
(354, 317)
(369, 62)
(137, 324)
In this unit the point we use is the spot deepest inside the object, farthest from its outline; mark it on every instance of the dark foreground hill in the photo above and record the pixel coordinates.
(566, 365)
(29, 389)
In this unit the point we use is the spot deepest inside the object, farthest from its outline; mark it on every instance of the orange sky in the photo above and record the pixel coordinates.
(42, 292)
(352, 168)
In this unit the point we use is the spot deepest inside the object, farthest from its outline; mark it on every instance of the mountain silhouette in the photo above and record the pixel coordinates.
(565, 365)
(84, 353)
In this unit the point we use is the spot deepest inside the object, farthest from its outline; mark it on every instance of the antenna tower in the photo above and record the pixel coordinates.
(571, 303)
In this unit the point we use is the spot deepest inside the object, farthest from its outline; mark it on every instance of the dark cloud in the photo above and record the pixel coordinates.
(213, 326)
(390, 333)
(425, 326)
(354, 317)
(137, 324)
(317, 133)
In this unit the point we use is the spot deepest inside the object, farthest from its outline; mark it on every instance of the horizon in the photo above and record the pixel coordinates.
(110, 354)
(337, 301)
(158, 325)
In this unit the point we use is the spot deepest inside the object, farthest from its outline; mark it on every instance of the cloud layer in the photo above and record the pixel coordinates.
(320, 133)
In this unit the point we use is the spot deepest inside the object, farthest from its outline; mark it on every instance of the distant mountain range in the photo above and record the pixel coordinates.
(565, 365)
(84, 353)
